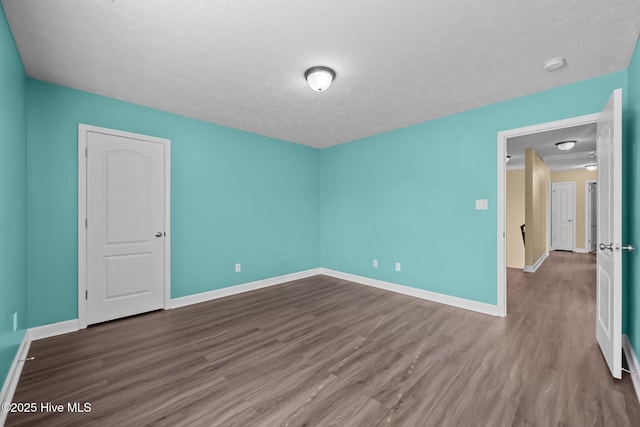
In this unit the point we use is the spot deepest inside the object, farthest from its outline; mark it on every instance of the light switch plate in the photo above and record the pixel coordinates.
(482, 204)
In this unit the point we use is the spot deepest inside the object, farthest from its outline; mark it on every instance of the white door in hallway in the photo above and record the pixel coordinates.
(562, 219)
(125, 227)
(609, 254)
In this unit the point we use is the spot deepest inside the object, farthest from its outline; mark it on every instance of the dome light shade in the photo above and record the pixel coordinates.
(591, 168)
(319, 78)
(565, 145)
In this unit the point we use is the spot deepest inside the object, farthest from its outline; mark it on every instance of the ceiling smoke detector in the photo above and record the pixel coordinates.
(554, 64)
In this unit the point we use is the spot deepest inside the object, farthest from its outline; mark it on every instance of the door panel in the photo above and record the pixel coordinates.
(609, 258)
(125, 208)
(604, 309)
(128, 275)
(130, 225)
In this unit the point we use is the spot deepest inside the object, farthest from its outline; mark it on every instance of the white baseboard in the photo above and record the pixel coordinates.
(13, 376)
(581, 251)
(632, 361)
(53, 329)
(536, 265)
(245, 287)
(30, 335)
(414, 292)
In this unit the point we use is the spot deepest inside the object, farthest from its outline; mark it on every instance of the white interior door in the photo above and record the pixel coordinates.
(609, 258)
(125, 243)
(563, 202)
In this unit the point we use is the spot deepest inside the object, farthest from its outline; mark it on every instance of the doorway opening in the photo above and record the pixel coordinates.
(608, 263)
(539, 234)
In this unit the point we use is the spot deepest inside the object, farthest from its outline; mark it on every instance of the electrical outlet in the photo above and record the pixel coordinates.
(375, 263)
(15, 321)
(238, 268)
(397, 266)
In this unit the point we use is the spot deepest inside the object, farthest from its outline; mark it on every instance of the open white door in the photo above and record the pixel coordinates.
(609, 259)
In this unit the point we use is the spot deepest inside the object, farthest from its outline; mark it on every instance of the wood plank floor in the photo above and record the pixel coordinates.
(325, 352)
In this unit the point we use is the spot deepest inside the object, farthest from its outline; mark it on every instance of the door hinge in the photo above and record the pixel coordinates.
(86, 294)
(86, 154)
(86, 223)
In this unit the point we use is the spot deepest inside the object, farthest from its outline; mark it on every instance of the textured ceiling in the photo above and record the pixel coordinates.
(584, 152)
(240, 63)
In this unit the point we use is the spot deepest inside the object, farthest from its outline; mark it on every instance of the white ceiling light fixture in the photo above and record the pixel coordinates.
(319, 77)
(591, 168)
(565, 145)
(554, 64)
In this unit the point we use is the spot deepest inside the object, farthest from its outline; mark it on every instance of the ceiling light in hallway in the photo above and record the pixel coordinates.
(565, 145)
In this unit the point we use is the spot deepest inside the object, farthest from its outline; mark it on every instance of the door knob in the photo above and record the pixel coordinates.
(603, 246)
(628, 248)
(158, 234)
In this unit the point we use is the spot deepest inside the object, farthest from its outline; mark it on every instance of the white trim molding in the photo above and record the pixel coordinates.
(83, 131)
(549, 216)
(238, 289)
(13, 376)
(632, 362)
(536, 265)
(53, 329)
(467, 304)
(30, 335)
(581, 251)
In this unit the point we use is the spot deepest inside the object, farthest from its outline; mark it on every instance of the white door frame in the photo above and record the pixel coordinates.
(83, 130)
(587, 215)
(503, 136)
(549, 216)
(573, 221)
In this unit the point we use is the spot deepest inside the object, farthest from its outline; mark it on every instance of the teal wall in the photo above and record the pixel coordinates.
(632, 259)
(235, 197)
(409, 195)
(13, 202)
